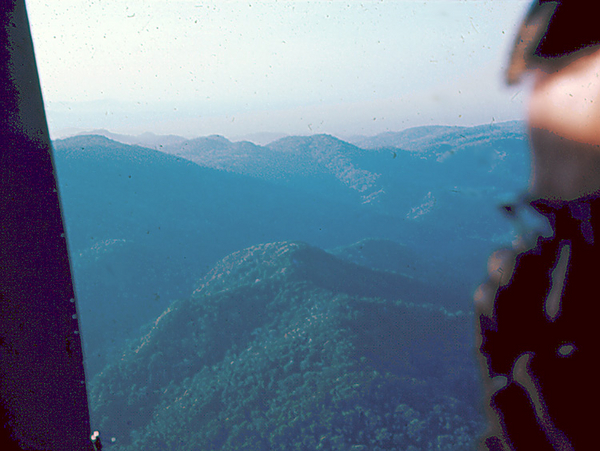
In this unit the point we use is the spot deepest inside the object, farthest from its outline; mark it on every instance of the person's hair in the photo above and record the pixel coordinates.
(573, 26)
(553, 34)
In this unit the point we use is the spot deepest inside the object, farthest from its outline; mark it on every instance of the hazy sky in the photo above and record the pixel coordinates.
(237, 67)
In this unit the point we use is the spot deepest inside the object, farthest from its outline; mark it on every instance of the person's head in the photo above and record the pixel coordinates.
(554, 33)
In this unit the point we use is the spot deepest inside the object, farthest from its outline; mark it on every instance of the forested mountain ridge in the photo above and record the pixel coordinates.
(281, 345)
(337, 157)
(429, 139)
(298, 262)
(147, 139)
(293, 160)
(143, 225)
(275, 360)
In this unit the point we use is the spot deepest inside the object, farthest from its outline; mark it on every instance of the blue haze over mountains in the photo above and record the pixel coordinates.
(165, 224)
(144, 224)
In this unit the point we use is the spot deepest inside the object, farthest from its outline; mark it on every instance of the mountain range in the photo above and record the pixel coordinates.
(143, 224)
(305, 294)
(439, 138)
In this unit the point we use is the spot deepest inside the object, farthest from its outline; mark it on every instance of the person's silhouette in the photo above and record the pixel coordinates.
(538, 313)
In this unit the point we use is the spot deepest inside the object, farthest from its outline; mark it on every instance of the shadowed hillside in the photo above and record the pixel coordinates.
(298, 262)
(143, 224)
(271, 355)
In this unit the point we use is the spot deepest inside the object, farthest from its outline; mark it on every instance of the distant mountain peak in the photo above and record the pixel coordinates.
(205, 142)
(260, 138)
(321, 138)
(260, 262)
(217, 138)
(337, 156)
(287, 262)
(86, 138)
(424, 138)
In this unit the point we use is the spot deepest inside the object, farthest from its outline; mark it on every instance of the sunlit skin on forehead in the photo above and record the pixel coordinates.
(563, 115)
(567, 102)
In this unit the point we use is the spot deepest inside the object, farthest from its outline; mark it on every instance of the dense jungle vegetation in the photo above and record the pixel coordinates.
(263, 357)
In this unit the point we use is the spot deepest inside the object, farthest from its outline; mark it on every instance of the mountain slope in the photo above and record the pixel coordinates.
(142, 225)
(318, 164)
(384, 255)
(154, 222)
(288, 362)
(299, 262)
(147, 139)
(433, 137)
